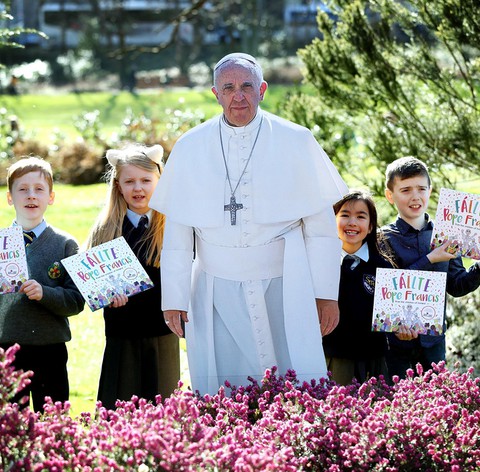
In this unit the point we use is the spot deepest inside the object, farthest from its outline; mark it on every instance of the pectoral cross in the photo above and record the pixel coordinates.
(232, 207)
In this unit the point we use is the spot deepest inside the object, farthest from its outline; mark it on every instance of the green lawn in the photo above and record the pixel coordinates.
(43, 114)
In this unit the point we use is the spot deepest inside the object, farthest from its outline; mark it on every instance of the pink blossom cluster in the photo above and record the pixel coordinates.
(427, 422)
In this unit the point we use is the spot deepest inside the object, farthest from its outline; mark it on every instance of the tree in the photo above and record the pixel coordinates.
(9, 35)
(113, 25)
(463, 336)
(223, 26)
(392, 78)
(246, 25)
(9, 130)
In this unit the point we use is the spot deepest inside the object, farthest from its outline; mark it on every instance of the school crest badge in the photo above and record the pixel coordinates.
(369, 283)
(54, 270)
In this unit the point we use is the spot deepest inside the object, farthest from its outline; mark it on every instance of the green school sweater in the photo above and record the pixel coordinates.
(32, 322)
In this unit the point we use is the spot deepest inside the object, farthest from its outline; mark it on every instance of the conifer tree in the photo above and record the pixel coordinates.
(395, 78)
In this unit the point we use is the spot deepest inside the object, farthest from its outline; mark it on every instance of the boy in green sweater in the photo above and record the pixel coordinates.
(36, 317)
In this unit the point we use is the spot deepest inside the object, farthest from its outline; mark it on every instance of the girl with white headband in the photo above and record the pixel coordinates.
(141, 353)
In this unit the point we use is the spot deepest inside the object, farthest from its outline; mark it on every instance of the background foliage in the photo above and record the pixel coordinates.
(393, 79)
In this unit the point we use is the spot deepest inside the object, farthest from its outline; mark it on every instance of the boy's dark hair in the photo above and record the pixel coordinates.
(405, 168)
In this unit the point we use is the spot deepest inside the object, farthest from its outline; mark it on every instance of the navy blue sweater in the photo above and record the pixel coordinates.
(353, 337)
(411, 247)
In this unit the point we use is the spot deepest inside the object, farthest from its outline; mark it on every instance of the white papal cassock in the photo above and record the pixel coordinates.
(251, 293)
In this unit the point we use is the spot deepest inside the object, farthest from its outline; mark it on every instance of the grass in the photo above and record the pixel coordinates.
(42, 115)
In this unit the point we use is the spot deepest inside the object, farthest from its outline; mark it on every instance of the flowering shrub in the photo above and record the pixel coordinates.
(427, 422)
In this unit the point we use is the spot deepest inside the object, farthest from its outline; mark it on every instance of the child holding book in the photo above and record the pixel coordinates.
(352, 350)
(141, 355)
(408, 187)
(36, 316)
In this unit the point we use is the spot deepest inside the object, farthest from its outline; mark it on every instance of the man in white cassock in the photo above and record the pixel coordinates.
(248, 198)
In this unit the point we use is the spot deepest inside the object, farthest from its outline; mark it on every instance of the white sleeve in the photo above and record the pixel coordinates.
(176, 265)
(324, 253)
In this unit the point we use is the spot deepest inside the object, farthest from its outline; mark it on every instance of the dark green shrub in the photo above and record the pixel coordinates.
(463, 335)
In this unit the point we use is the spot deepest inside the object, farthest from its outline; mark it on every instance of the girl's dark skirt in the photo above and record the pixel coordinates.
(145, 367)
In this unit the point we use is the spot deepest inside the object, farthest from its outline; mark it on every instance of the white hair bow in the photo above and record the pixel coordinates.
(154, 153)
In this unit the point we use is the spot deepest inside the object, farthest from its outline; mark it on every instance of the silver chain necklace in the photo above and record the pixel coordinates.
(233, 206)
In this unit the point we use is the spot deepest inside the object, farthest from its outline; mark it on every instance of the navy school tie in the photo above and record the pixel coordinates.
(28, 237)
(142, 224)
(350, 261)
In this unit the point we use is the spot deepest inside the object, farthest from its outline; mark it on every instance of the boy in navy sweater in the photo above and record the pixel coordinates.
(408, 187)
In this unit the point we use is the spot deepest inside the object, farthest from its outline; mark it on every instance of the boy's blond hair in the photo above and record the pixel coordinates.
(27, 165)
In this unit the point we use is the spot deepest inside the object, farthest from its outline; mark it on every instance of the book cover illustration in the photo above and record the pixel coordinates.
(105, 270)
(13, 261)
(415, 298)
(458, 221)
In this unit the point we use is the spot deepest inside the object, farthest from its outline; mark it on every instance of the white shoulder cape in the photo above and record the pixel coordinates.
(292, 176)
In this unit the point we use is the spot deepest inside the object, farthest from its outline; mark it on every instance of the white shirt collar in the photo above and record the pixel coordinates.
(248, 128)
(362, 253)
(38, 230)
(135, 217)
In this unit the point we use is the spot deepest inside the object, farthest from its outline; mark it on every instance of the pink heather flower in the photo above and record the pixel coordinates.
(428, 421)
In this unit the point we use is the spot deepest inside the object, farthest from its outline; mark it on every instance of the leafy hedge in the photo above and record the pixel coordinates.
(82, 162)
(428, 422)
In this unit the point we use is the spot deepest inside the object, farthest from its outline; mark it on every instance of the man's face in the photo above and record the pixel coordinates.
(239, 94)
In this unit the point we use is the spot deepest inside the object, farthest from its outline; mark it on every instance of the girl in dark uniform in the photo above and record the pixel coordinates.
(141, 353)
